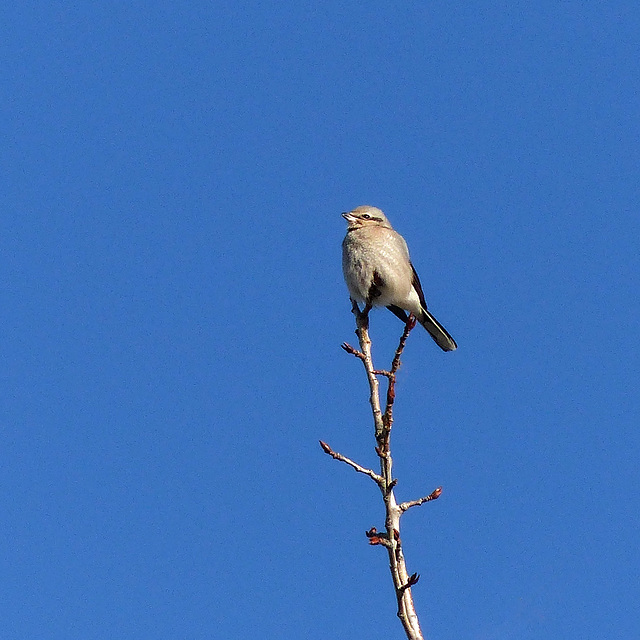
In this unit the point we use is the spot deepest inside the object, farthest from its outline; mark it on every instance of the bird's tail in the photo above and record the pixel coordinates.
(437, 331)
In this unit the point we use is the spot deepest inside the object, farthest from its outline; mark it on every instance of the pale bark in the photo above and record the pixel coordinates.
(383, 421)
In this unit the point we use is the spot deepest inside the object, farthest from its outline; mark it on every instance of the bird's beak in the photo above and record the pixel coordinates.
(348, 217)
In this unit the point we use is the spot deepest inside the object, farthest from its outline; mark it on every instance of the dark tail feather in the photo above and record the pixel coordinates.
(437, 332)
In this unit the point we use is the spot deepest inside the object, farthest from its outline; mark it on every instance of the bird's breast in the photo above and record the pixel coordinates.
(382, 256)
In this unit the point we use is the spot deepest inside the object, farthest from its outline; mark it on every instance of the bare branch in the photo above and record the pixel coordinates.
(379, 480)
(391, 376)
(383, 424)
(383, 421)
(434, 495)
(409, 326)
(362, 331)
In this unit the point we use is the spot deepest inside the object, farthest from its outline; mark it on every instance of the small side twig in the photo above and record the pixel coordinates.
(434, 495)
(378, 538)
(378, 479)
(354, 352)
(413, 579)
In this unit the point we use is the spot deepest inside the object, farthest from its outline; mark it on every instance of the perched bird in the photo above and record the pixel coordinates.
(378, 271)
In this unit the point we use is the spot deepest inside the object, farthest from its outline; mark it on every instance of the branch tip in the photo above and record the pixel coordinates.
(378, 479)
(352, 350)
(377, 538)
(434, 495)
(411, 580)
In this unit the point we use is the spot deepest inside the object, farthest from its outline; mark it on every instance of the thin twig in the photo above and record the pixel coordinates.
(354, 352)
(391, 386)
(408, 327)
(359, 468)
(434, 495)
(377, 538)
(362, 331)
(413, 579)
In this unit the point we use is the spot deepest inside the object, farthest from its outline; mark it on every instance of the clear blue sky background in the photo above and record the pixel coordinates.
(173, 306)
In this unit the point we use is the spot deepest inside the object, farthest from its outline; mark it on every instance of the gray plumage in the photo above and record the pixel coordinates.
(378, 271)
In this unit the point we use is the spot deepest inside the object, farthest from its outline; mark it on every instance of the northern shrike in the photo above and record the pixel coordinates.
(378, 271)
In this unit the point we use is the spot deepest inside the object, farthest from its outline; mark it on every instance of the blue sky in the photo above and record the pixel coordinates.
(173, 309)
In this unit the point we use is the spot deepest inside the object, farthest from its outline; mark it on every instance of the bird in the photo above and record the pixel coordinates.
(378, 271)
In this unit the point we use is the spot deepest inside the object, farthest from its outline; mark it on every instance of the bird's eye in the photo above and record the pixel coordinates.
(366, 216)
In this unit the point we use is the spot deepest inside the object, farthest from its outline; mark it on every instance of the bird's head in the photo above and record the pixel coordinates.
(366, 216)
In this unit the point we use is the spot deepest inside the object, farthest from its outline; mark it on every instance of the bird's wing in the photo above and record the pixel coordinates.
(418, 287)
